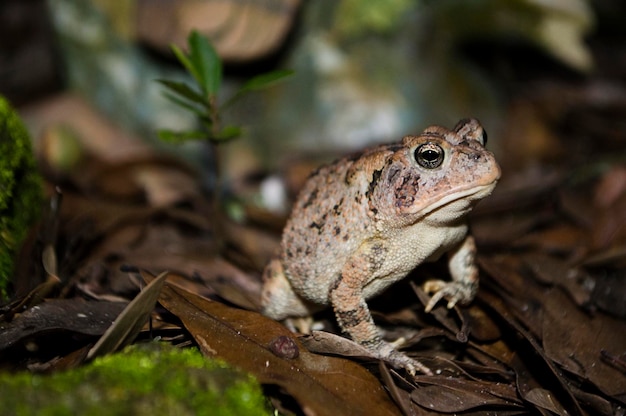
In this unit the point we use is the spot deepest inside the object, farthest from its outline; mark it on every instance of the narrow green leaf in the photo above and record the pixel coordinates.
(184, 104)
(268, 79)
(177, 137)
(184, 91)
(183, 59)
(206, 63)
(227, 133)
(259, 82)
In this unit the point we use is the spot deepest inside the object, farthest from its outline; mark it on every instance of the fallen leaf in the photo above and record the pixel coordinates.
(458, 395)
(321, 385)
(545, 399)
(128, 324)
(74, 315)
(575, 340)
(328, 343)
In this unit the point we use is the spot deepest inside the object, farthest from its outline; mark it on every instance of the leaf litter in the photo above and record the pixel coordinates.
(546, 334)
(540, 337)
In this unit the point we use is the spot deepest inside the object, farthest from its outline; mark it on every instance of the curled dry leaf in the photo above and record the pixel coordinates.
(328, 343)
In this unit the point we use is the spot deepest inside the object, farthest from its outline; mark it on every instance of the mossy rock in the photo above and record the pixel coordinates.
(20, 190)
(150, 379)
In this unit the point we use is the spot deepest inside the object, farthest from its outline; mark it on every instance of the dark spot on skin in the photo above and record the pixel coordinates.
(317, 226)
(337, 230)
(337, 207)
(289, 253)
(345, 237)
(315, 172)
(310, 199)
(335, 284)
(376, 256)
(351, 169)
(407, 191)
(369, 343)
(373, 183)
(392, 173)
(371, 201)
(352, 317)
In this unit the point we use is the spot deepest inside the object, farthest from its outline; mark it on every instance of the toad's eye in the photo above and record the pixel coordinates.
(429, 155)
(483, 138)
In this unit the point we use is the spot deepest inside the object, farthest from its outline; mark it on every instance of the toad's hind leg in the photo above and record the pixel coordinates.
(278, 300)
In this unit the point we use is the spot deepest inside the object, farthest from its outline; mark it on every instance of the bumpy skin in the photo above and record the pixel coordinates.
(363, 223)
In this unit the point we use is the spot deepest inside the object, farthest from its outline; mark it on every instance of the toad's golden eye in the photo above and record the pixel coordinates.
(429, 155)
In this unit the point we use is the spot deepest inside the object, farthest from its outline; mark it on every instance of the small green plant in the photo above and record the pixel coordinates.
(205, 66)
(202, 99)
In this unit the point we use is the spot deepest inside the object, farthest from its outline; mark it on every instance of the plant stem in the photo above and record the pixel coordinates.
(217, 214)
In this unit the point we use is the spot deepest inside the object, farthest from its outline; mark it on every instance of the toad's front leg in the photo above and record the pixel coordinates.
(464, 284)
(353, 315)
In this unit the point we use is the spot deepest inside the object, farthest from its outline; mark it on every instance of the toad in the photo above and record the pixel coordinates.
(364, 222)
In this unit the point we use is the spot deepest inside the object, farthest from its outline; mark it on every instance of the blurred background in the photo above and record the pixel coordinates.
(365, 71)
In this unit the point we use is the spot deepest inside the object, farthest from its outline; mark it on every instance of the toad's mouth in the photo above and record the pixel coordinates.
(461, 201)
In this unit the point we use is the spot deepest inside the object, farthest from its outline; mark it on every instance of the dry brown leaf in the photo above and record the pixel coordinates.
(553, 271)
(457, 395)
(575, 340)
(611, 187)
(400, 396)
(321, 385)
(128, 324)
(539, 362)
(74, 315)
(559, 238)
(327, 343)
(545, 399)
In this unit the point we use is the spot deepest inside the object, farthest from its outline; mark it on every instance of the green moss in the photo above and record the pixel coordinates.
(153, 379)
(20, 189)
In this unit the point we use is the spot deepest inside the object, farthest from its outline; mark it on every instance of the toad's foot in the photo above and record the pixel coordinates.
(302, 325)
(454, 292)
(398, 359)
